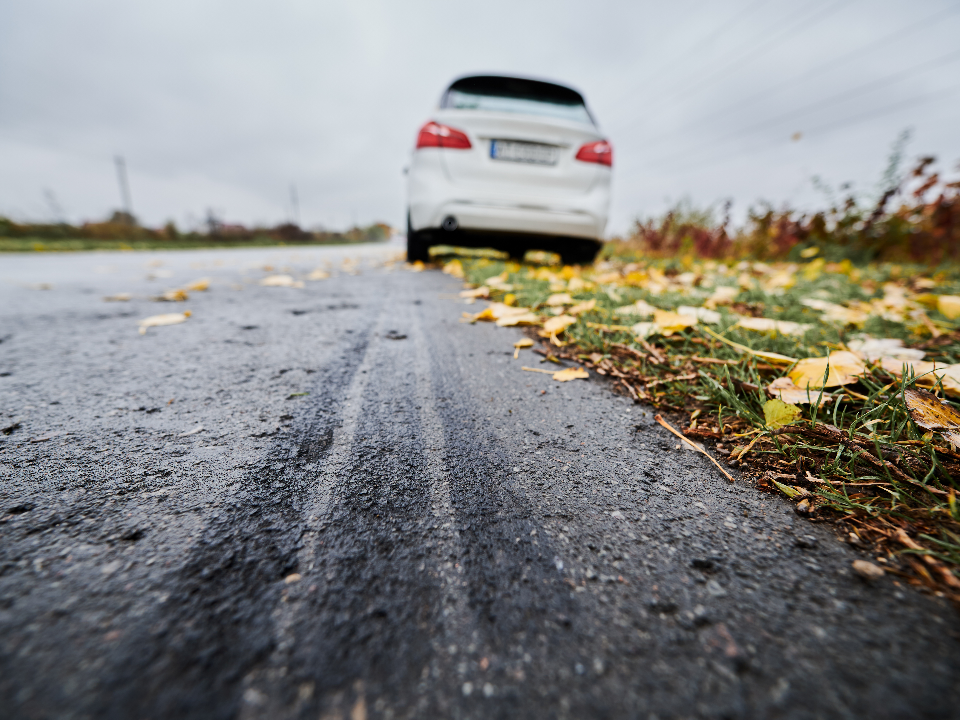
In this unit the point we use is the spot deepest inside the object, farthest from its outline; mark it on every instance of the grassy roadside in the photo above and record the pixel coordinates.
(736, 357)
(29, 244)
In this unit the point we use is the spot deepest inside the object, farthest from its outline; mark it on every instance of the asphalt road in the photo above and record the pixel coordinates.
(341, 502)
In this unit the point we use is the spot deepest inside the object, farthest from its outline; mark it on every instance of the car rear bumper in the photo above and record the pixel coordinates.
(498, 218)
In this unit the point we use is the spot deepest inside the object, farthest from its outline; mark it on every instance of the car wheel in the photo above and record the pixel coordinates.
(583, 252)
(418, 245)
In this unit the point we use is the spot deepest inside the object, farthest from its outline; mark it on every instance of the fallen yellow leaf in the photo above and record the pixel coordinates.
(281, 281)
(834, 313)
(418, 266)
(874, 349)
(524, 318)
(702, 314)
(949, 306)
(173, 296)
(558, 324)
(777, 413)
(455, 268)
(481, 292)
(485, 314)
(671, 322)
(784, 327)
(568, 374)
(931, 413)
(198, 285)
(165, 319)
(845, 368)
(560, 299)
(603, 327)
(524, 343)
(640, 308)
(722, 295)
(643, 330)
(504, 315)
(119, 297)
(785, 389)
(583, 307)
(318, 274)
(927, 374)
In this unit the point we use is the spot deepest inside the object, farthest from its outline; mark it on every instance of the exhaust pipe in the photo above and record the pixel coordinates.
(449, 223)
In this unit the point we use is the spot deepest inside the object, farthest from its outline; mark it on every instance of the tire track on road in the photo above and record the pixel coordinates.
(188, 661)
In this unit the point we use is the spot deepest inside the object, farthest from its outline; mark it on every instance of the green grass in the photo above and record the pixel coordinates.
(874, 478)
(29, 244)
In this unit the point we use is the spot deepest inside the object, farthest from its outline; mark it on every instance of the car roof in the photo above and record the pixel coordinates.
(519, 87)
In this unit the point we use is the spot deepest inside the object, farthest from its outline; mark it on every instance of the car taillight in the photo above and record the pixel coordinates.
(436, 135)
(597, 152)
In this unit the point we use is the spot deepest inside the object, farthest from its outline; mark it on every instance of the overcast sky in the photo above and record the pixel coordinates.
(225, 105)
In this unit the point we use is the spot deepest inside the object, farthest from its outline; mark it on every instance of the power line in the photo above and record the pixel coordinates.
(703, 42)
(841, 123)
(831, 65)
(698, 47)
(843, 96)
(790, 31)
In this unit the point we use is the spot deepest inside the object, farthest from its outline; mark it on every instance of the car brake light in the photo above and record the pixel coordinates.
(436, 135)
(597, 152)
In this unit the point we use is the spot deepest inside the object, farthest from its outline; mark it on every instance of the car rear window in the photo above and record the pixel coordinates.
(516, 95)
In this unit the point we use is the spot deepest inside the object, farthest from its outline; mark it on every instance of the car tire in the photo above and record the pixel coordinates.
(418, 245)
(582, 252)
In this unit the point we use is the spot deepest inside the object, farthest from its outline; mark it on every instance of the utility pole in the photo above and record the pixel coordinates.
(124, 186)
(295, 205)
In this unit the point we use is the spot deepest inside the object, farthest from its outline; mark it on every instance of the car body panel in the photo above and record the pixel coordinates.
(568, 198)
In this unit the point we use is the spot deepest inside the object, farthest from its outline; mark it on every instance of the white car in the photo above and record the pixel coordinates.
(510, 163)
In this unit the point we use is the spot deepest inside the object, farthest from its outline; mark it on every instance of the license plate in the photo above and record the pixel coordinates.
(524, 152)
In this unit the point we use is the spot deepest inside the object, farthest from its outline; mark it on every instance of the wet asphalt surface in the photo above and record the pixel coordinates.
(384, 517)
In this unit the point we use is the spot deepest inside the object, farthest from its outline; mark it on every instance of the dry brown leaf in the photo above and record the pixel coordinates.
(165, 319)
(867, 570)
(931, 413)
(119, 297)
(845, 368)
(281, 281)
